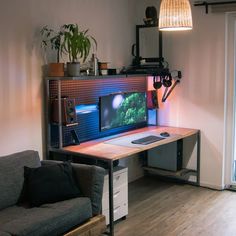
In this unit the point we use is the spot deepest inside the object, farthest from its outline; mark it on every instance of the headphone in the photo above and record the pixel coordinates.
(167, 80)
(157, 84)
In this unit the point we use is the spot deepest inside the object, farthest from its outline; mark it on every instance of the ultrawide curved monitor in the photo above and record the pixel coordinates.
(123, 109)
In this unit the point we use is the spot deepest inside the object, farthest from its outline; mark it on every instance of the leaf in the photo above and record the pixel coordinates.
(76, 43)
(52, 38)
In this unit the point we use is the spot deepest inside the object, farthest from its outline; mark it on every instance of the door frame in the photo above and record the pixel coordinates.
(229, 100)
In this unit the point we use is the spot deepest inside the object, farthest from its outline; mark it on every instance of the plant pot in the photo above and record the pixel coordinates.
(56, 69)
(103, 65)
(73, 68)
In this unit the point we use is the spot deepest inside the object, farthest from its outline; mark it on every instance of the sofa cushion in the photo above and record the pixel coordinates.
(49, 219)
(12, 175)
(48, 184)
(90, 180)
(4, 234)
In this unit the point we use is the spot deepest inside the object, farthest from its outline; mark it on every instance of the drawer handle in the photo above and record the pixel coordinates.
(116, 209)
(115, 194)
(117, 177)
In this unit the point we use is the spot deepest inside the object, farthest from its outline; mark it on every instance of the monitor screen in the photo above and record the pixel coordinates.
(123, 109)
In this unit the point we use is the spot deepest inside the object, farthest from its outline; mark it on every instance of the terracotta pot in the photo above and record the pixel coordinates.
(56, 69)
(103, 65)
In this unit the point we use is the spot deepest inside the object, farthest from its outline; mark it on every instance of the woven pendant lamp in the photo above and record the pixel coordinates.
(175, 15)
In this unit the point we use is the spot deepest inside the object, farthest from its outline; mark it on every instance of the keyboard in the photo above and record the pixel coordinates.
(147, 140)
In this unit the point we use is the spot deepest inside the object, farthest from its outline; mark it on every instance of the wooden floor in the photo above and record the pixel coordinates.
(165, 208)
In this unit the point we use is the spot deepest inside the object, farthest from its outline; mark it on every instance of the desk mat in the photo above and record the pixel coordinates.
(127, 139)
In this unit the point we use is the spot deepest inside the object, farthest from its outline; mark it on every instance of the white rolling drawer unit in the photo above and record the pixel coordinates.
(120, 194)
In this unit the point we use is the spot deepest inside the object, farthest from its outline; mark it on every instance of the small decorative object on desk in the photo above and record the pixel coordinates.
(103, 65)
(151, 16)
(103, 72)
(111, 71)
(95, 64)
(103, 68)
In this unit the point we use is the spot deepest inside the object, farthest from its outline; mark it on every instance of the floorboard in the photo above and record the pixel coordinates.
(169, 208)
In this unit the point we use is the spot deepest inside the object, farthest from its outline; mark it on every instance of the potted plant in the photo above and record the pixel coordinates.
(53, 38)
(77, 45)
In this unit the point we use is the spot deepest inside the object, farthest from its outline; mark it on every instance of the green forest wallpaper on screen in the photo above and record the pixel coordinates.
(122, 109)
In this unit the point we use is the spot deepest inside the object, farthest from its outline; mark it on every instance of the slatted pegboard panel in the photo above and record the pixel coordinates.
(88, 91)
(85, 91)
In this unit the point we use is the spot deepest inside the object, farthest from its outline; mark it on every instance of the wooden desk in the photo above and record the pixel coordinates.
(112, 148)
(102, 149)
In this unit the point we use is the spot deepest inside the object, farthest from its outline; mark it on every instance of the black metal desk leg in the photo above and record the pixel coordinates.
(198, 157)
(111, 203)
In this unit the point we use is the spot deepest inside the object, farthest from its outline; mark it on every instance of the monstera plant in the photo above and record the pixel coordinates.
(77, 44)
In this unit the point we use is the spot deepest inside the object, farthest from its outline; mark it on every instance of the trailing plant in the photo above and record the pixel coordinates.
(76, 43)
(49, 36)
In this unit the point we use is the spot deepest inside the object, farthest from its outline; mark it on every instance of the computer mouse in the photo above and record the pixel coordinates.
(165, 134)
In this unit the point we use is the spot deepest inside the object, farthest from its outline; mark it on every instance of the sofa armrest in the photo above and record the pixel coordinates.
(90, 180)
(49, 162)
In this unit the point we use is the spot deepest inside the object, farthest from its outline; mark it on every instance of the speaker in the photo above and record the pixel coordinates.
(152, 99)
(68, 113)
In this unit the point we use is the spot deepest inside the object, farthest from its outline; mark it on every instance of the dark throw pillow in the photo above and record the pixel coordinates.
(49, 184)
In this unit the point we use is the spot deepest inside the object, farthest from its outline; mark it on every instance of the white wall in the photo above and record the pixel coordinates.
(111, 22)
(198, 102)
(20, 81)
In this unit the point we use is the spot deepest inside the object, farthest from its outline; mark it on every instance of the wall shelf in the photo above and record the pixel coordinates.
(206, 4)
(97, 77)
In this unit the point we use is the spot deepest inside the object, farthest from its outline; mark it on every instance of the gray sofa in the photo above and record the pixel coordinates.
(51, 218)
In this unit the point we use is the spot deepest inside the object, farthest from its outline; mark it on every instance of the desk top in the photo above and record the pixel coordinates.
(119, 146)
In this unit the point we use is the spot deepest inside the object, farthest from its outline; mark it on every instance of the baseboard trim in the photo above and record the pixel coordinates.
(211, 186)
